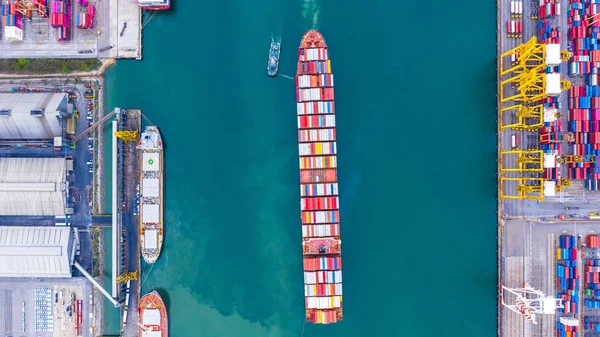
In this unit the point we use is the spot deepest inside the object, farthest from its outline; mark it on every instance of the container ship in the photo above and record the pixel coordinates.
(151, 188)
(318, 182)
(152, 316)
(155, 5)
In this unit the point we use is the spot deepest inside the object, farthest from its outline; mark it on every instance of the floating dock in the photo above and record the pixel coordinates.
(318, 182)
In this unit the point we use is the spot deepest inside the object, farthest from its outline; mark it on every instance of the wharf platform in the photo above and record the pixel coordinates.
(528, 230)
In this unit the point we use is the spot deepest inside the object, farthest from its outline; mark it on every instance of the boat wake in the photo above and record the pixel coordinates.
(310, 11)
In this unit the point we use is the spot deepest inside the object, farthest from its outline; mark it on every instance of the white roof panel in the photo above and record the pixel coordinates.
(553, 54)
(33, 186)
(549, 160)
(151, 333)
(22, 125)
(151, 161)
(150, 187)
(549, 188)
(553, 84)
(150, 213)
(35, 251)
(151, 239)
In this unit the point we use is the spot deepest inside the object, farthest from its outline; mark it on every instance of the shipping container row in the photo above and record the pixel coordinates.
(320, 217)
(314, 94)
(549, 9)
(313, 190)
(514, 27)
(318, 162)
(326, 230)
(329, 302)
(314, 67)
(594, 304)
(318, 176)
(323, 316)
(567, 241)
(323, 276)
(593, 241)
(325, 289)
(567, 331)
(312, 54)
(316, 121)
(591, 325)
(316, 149)
(567, 272)
(589, 115)
(316, 135)
(322, 263)
(315, 108)
(551, 174)
(516, 8)
(593, 183)
(319, 203)
(13, 20)
(84, 20)
(314, 81)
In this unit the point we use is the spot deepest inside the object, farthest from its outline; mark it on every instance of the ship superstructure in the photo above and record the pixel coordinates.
(151, 189)
(154, 5)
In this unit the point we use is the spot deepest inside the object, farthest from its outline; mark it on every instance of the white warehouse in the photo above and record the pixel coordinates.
(33, 186)
(32, 116)
(36, 251)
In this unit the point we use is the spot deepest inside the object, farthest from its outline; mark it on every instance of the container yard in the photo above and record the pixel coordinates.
(70, 29)
(319, 202)
(548, 167)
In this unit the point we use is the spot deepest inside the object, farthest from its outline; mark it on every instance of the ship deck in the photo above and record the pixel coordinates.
(527, 229)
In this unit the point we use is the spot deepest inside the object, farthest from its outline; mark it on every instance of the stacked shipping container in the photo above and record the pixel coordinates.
(567, 274)
(566, 330)
(592, 323)
(318, 182)
(60, 18)
(12, 21)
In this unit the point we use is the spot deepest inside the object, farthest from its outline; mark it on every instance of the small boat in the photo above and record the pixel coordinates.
(152, 316)
(274, 53)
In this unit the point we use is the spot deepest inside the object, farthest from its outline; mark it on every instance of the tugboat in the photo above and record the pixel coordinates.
(274, 52)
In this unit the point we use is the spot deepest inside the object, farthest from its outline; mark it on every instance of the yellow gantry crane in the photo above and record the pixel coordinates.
(127, 276)
(573, 159)
(527, 161)
(526, 188)
(532, 86)
(524, 114)
(127, 135)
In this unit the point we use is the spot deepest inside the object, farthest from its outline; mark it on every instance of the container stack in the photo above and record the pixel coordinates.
(549, 133)
(591, 325)
(548, 34)
(514, 28)
(60, 18)
(567, 274)
(84, 20)
(516, 9)
(12, 22)
(549, 8)
(570, 330)
(318, 182)
(83, 3)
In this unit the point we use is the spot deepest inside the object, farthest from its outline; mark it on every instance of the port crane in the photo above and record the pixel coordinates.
(529, 302)
(127, 276)
(566, 137)
(93, 126)
(127, 136)
(25, 7)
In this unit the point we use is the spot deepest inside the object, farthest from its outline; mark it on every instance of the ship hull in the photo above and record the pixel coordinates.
(153, 320)
(151, 216)
(318, 182)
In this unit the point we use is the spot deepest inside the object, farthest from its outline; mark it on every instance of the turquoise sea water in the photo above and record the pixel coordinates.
(415, 103)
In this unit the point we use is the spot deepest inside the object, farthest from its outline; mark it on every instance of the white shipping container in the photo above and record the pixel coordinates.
(320, 230)
(557, 9)
(13, 34)
(323, 302)
(520, 7)
(513, 28)
(513, 7)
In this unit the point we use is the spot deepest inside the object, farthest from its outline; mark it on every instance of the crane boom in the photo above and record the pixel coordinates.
(93, 126)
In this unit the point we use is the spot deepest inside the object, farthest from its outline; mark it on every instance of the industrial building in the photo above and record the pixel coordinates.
(36, 251)
(32, 116)
(33, 186)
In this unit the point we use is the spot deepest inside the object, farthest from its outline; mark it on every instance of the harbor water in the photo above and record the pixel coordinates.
(415, 112)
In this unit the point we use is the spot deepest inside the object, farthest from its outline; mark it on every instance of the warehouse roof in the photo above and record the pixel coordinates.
(32, 186)
(31, 115)
(36, 251)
